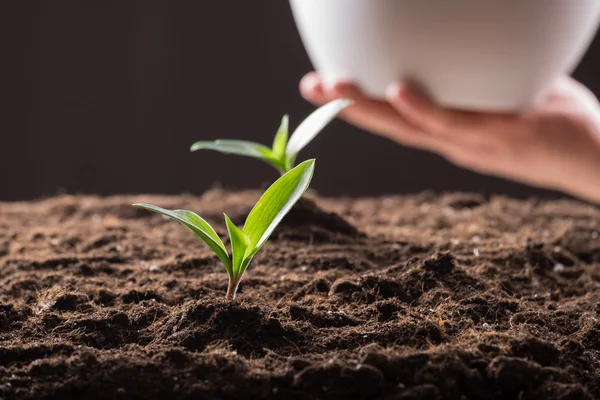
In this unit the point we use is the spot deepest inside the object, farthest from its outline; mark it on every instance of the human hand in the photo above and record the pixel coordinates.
(555, 145)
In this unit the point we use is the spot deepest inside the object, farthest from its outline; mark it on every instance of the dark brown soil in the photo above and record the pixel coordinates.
(421, 297)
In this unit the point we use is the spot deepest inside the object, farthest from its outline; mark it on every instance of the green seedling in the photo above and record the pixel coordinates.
(283, 153)
(268, 212)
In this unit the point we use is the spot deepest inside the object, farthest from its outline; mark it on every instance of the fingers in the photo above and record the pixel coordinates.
(417, 109)
(457, 131)
(426, 115)
(372, 115)
(377, 116)
(311, 88)
(467, 139)
(367, 113)
(484, 142)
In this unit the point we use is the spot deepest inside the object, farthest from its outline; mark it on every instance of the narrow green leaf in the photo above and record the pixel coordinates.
(281, 138)
(197, 225)
(237, 147)
(240, 148)
(275, 203)
(311, 126)
(239, 244)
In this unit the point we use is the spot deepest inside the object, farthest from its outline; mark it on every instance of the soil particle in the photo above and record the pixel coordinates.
(440, 264)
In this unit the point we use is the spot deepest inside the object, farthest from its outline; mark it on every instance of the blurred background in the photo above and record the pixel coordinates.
(107, 96)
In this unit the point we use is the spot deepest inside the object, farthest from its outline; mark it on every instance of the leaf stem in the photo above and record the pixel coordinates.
(232, 288)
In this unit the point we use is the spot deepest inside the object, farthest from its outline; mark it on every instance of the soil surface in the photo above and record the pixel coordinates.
(419, 297)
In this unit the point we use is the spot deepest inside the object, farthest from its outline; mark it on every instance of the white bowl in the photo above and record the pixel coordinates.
(493, 55)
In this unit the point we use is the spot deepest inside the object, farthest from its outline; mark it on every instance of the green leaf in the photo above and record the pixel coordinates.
(239, 244)
(275, 203)
(197, 225)
(311, 126)
(237, 147)
(240, 148)
(281, 138)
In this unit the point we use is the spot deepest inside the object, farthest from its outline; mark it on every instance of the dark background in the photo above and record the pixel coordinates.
(107, 96)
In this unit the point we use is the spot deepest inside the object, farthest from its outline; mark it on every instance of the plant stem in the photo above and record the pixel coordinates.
(232, 288)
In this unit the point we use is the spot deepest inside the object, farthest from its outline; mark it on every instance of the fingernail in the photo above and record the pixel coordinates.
(328, 84)
(310, 80)
(393, 91)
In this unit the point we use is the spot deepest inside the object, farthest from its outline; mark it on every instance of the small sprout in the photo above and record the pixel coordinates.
(268, 212)
(282, 155)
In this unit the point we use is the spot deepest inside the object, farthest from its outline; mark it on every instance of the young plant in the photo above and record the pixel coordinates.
(282, 155)
(268, 212)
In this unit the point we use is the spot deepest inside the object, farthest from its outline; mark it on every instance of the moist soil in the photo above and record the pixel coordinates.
(417, 297)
